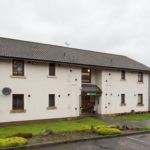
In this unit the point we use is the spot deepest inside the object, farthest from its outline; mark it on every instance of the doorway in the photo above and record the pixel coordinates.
(87, 104)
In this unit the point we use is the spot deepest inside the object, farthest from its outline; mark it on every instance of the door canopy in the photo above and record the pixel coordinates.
(91, 89)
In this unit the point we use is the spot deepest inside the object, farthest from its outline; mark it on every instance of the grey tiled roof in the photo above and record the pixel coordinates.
(91, 88)
(37, 51)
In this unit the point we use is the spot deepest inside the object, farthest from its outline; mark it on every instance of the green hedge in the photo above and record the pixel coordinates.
(107, 131)
(12, 141)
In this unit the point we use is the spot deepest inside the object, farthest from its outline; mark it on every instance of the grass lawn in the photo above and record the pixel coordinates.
(55, 125)
(131, 117)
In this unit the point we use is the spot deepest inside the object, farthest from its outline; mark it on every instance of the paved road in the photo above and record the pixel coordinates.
(138, 142)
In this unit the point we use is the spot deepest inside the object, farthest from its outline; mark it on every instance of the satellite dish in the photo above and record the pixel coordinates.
(6, 91)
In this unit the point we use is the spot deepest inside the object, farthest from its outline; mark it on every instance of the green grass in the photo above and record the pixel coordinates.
(146, 128)
(56, 126)
(133, 117)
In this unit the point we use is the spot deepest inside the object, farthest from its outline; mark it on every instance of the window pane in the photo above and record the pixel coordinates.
(140, 98)
(52, 69)
(86, 75)
(18, 102)
(123, 74)
(122, 98)
(140, 77)
(51, 100)
(18, 67)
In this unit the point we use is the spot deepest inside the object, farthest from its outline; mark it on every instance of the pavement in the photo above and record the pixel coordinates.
(136, 142)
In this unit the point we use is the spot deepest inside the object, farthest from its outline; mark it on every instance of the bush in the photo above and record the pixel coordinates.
(12, 141)
(85, 128)
(107, 131)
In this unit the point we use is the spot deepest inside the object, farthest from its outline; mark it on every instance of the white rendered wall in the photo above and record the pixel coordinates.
(114, 87)
(96, 78)
(37, 84)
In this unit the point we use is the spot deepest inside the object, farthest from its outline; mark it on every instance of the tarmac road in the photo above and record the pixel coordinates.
(137, 142)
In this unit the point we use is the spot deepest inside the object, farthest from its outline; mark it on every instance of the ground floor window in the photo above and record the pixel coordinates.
(18, 102)
(140, 99)
(122, 99)
(51, 100)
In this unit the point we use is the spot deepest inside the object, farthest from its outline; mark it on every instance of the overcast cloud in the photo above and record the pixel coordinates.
(113, 26)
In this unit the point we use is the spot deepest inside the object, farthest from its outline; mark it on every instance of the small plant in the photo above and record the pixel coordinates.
(12, 141)
(47, 132)
(106, 130)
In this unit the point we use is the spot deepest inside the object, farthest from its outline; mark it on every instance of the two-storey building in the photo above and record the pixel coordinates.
(41, 81)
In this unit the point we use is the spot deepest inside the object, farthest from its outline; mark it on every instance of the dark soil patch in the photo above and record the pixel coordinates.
(61, 137)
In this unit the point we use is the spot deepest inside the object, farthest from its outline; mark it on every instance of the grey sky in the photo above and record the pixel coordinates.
(114, 26)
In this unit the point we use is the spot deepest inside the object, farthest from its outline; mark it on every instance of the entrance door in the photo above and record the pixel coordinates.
(88, 103)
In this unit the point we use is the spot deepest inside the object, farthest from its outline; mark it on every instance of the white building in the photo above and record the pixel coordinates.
(40, 81)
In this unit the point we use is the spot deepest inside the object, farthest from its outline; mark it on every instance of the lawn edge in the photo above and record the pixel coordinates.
(72, 141)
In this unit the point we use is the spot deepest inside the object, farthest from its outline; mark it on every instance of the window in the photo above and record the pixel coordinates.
(140, 99)
(123, 75)
(122, 99)
(86, 75)
(18, 102)
(51, 100)
(140, 77)
(51, 69)
(18, 67)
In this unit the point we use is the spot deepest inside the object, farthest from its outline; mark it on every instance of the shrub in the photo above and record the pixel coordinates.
(85, 128)
(12, 141)
(107, 131)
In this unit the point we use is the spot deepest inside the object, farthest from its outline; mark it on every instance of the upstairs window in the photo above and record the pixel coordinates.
(51, 100)
(122, 99)
(86, 75)
(18, 68)
(140, 99)
(140, 77)
(18, 102)
(123, 75)
(51, 69)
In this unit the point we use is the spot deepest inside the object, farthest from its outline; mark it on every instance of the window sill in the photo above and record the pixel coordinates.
(140, 82)
(124, 80)
(19, 77)
(52, 76)
(122, 104)
(140, 104)
(18, 111)
(51, 108)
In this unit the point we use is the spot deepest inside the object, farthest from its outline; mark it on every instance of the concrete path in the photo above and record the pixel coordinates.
(141, 123)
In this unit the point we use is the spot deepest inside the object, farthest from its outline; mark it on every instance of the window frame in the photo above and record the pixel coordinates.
(89, 81)
(123, 99)
(14, 108)
(123, 75)
(141, 103)
(13, 68)
(53, 72)
(54, 104)
(140, 77)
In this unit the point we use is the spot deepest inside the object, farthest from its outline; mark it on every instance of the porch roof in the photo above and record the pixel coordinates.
(91, 88)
